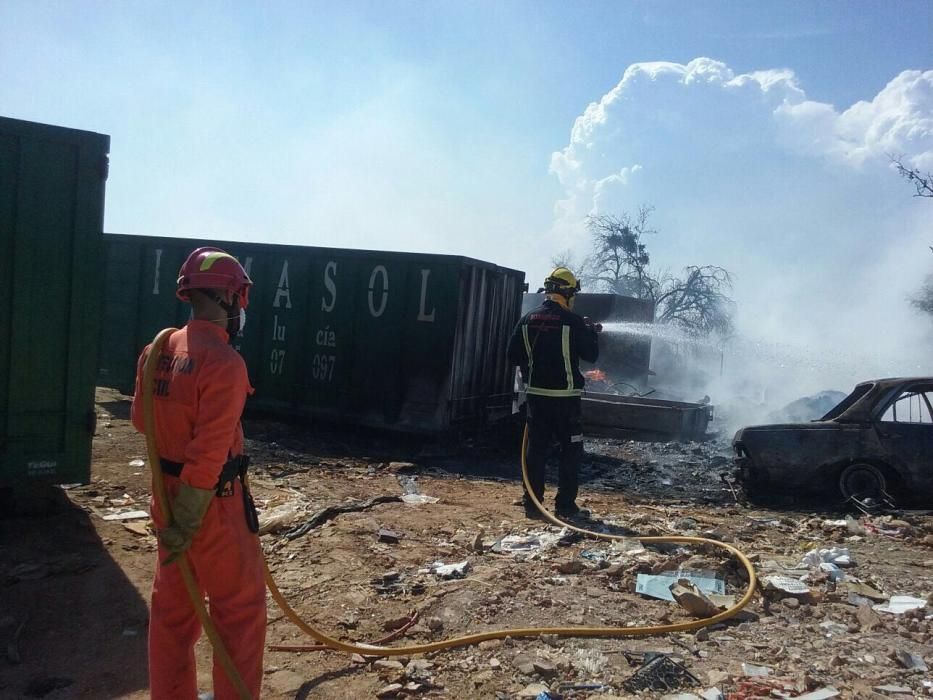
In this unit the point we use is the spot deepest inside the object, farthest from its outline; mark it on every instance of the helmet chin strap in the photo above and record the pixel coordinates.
(233, 314)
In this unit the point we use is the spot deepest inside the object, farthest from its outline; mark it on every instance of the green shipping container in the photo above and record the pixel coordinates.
(404, 341)
(51, 220)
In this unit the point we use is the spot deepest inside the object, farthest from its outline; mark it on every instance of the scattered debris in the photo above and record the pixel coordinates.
(277, 518)
(127, 515)
(893, 689)
(659, 585)
(449, 571)
(755, 671)
(390, 691)
(863, 590)
(900, 604)
(388, 536)
(417, 499)
(821, 694)
(136, 463)
(573, 566)
(531, 543)
(330, 512)
(141, 529)
(533, 690)
(692, 599)
(660, 673)
(786, 584)
(838, 556)
(868, 619)
(912, 662)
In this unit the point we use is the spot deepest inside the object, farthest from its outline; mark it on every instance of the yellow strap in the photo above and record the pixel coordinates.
(531, 359)
(565, 347)
(553, 392)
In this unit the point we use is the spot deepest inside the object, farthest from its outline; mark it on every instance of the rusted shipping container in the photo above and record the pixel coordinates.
(405, 341)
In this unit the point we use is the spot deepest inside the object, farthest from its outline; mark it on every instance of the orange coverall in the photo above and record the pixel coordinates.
(201, 386)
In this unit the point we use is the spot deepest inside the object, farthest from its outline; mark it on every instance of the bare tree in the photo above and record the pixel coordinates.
(923, 182)
(698, 302)
(620, 259)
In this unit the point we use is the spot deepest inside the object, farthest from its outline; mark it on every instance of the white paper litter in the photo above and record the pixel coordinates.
(837, 555)
(821, 694)
(127, 515)
(787, 584)
(457, 570)
(754, 671)
(416, 499)
(899, 604)
(137, 463)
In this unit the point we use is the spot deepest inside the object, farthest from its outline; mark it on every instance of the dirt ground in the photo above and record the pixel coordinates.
(74, 587)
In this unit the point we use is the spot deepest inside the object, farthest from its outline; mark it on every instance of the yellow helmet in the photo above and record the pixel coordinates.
(562, 281)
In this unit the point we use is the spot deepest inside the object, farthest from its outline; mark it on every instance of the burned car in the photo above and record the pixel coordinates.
(876, 443)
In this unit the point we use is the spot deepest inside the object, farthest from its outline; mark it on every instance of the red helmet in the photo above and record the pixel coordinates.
(212, 268)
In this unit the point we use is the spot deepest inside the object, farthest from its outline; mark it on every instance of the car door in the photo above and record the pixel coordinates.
(905, 430)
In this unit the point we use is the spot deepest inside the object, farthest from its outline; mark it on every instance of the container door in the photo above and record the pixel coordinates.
(51, 216)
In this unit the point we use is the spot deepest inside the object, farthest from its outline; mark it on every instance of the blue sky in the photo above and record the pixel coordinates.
(443, 127)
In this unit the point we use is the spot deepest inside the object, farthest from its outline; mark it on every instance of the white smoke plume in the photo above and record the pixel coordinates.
(794, 196)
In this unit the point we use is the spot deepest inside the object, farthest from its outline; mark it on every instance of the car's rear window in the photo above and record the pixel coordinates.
(857, 393)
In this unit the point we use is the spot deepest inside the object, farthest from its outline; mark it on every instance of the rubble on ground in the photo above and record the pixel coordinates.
(843, 610)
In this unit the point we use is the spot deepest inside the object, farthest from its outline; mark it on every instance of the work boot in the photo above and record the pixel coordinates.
(533, 513)
(571, 510)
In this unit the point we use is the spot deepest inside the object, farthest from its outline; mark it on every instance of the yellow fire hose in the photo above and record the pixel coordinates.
(465, 640)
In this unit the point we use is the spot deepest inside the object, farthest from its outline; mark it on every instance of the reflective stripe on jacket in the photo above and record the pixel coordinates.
(548, 344)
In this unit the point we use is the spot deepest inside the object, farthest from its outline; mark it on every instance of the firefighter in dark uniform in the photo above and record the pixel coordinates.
(548, 344)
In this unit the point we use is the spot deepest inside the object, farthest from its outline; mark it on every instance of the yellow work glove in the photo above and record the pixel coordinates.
(188, 511)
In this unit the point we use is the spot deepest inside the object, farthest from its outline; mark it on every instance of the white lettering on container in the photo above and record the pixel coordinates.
(326, 337)
(330, 272)
(379, 270)
(278, 330)
(283, 289)
(422, 316)
(158, 268)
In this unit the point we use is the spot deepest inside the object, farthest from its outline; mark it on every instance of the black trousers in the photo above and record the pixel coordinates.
(553, 420)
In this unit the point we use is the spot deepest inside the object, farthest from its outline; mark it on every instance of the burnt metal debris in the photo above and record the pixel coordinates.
(640, 418)
(872, 449)
(658, 672)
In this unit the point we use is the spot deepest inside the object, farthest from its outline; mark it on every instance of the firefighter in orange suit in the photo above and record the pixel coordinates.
(548, 344)
(200, 388)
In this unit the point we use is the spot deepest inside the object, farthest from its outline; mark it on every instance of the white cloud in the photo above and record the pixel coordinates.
(899, 120)
(795, 197)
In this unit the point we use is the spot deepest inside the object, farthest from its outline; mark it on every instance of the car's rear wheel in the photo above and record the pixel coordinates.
(861, 481)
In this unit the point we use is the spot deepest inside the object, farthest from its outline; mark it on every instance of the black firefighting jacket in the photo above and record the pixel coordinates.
(548, 344)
